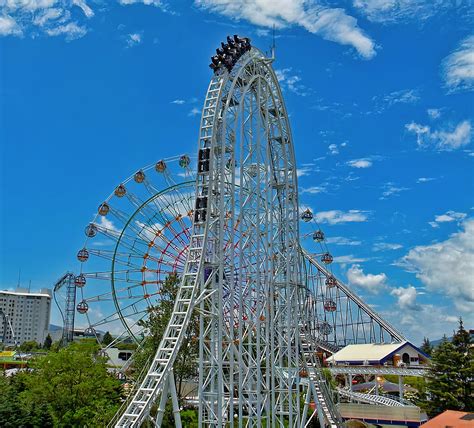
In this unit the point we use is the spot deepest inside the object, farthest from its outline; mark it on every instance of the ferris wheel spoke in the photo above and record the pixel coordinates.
(113, 255)
(169, 208)
(118, 291)
(169, 244)
(107, 275)
(118, 261)
(116, 316)
(178, 235)
(117, 214)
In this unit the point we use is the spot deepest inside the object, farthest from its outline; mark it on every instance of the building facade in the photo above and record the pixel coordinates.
(403, 354)
(26, 316)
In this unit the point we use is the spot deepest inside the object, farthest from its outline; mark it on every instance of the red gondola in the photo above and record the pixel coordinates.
(83, 255)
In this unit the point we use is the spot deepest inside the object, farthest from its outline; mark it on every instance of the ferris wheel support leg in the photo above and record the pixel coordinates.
(174, 401)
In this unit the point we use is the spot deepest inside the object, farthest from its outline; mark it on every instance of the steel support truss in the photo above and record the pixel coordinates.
(65, 298)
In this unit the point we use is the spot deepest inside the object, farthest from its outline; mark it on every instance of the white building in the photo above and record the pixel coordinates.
(403, 354)
(27, 314)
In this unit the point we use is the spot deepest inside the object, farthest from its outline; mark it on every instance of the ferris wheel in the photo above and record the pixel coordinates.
(138, 237)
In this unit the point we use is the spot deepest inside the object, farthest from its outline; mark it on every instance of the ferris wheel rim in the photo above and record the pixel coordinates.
(130, 219)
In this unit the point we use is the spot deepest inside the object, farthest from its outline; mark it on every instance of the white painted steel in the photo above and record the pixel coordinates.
(352, 322)
(244, 270)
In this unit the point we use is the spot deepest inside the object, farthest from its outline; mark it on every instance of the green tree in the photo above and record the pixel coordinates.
(426, 346)
(107, 339)
(74, 385)
(20, 413)
(450, 375)
(185, 366)
(463, 344)
(47, 342)
(28, 346)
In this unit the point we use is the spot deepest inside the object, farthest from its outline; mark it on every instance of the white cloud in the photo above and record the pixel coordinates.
(107, 224)
(28, 5)
(262, 32)
(157, 3)
(406, 297)
(194, 111)
(133, 39)
(71, 30)
(340, 240)
(443, 140)
(8, 26)
(450, 216)
(458, 67)
(390, 189)
(425, 179)
(360, 163)
(338, 217)
(404, 96)
(333, 149)
(301, 172)
(178, 101)
(290, 80)
(390, 11)
(384, 246)
(50, 17)
(448, 266)
(434, 113)
(414, 322)
(331, 24)
(47, 16)
(369, 282)
(313, 190)
(84, 7)
(347, 259)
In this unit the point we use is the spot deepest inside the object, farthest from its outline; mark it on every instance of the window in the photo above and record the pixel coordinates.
(124, 356)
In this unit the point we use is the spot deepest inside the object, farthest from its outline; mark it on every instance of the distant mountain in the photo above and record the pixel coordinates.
(53, 327)
(435, 343)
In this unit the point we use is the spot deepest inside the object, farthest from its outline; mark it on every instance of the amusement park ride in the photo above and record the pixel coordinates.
(231, 229)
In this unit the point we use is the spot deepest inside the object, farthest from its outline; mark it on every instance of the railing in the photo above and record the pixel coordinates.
(370, 398)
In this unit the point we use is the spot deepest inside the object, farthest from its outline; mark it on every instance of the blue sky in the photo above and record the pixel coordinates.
(381, 104)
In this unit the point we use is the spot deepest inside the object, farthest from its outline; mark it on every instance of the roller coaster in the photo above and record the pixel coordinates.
(228, 223)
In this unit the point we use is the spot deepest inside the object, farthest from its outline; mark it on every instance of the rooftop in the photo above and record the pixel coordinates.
(369, 351)
(44, 292)
(451, 419)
